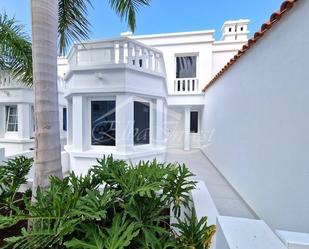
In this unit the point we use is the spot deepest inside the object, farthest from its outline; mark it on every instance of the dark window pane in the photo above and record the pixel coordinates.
(186, 67)
(103, 127)
(64, 114)
(141, 123)
(194, 122)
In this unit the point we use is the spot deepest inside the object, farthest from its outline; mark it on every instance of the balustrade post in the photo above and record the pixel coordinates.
(145, 56)
(113, 53)
(130, 53)
(121, 53)
(150, 60)
(138, 56)
(157, 62)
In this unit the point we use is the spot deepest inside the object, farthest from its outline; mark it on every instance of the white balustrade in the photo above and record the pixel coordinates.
(186, 85)
(121, 51)
(7, 81)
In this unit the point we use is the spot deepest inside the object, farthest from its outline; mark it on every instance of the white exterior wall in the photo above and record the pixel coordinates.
(62, 68)
(220, 58)
(175, 128)
(13, 92)
(124, 83)
(256, 123)
(14, 142)
(200, 43)
(211, 56)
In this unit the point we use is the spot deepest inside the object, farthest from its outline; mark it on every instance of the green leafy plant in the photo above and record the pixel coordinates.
(118, 236)
(114, 206)
(12, 175)
(178, 188)
(194, 233)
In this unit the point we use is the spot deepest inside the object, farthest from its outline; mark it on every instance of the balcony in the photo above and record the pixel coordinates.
(7, 81)
(186, 86)
(123, 52)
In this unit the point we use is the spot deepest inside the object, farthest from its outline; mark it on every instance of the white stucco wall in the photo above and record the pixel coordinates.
(257, 115)
(210, 54)
(220, 58)
(175, 128)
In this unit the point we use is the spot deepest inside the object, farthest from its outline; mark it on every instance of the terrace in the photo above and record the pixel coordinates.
(116, 53)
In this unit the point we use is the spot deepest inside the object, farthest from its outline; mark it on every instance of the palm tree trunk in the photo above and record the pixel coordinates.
(47, 160)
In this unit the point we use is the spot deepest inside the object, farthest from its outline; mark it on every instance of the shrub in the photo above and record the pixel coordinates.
(114, 206)
(194, 233)
(12, 175)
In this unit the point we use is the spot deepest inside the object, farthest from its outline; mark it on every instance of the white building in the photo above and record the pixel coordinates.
(17, 114)
(111, 84)
(136, 96)
(244, 104)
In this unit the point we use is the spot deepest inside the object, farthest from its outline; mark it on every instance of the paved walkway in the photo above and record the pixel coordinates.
(228, 202)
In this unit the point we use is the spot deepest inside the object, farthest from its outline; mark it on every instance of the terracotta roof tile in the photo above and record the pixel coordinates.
(275, 17)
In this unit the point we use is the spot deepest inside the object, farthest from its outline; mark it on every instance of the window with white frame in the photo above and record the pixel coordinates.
(186, 66)
(103, 127)
(141, 123)
(11, 118)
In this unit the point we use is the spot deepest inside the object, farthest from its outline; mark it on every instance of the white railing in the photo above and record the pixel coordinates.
(120, 51)
(7, 81)
(186, 86)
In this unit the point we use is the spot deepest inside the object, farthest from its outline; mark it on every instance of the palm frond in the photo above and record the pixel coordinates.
(73, 22)
(127, 9)
(15, 49)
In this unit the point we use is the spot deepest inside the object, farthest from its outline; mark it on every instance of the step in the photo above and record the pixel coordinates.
(242, 233)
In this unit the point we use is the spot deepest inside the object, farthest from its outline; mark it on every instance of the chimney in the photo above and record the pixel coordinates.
(235, 30)
(126, 34)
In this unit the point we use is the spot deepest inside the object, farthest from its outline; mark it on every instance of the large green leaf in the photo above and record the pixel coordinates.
(118, 236)
(15, 49)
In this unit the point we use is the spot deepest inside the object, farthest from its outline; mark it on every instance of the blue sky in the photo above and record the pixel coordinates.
(164, 15)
